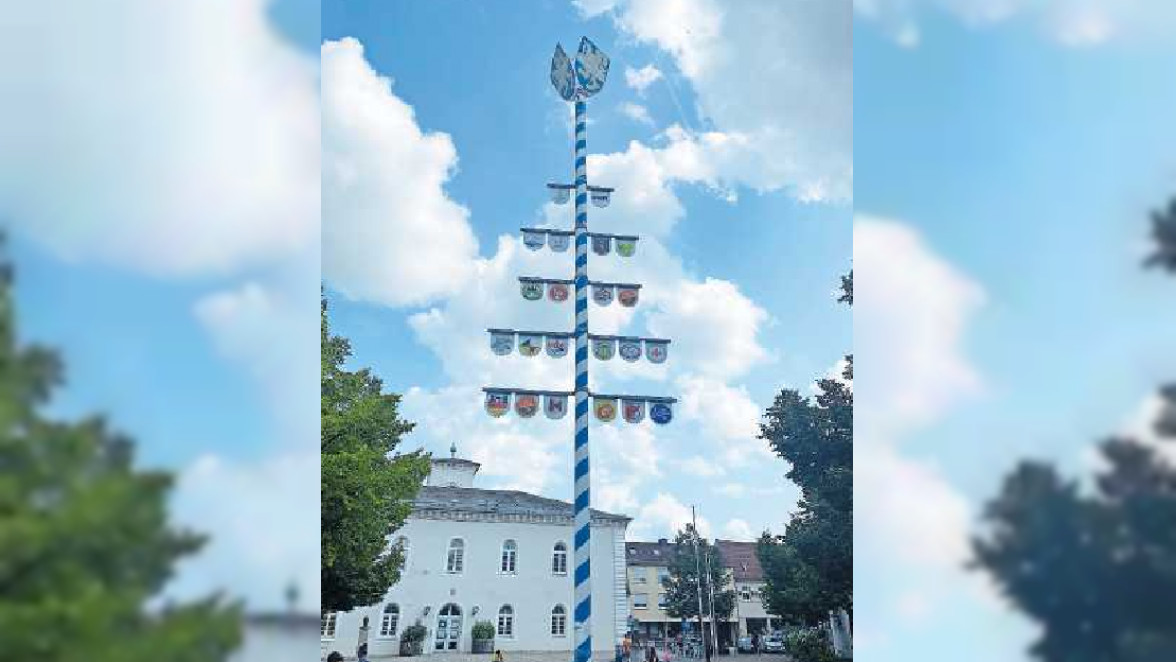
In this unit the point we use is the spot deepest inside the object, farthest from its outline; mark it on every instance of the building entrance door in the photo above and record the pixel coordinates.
(448, 628)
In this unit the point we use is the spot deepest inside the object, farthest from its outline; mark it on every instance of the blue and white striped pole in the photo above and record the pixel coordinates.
(583, 514)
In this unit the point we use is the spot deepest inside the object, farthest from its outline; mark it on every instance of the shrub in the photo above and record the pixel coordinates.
(483, 630)
(811, 645)
(414, 633)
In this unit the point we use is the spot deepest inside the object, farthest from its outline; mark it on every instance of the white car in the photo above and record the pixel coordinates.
(772, 645)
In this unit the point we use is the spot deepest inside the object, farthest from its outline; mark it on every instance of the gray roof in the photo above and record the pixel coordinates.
(656, 554)
(499, 502)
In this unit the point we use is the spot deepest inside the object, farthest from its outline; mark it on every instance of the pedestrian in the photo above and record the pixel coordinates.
(652, 655)
(755, 643)
(498, 656)
(626, 646)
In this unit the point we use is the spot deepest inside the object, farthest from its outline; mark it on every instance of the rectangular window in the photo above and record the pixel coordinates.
(559, 624)
(662, 576)
(661, 601)
(641, 601)
(327, 629)
(456, 560)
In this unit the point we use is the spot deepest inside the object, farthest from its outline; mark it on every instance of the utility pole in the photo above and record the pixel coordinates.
(710, 583)
(575, 82)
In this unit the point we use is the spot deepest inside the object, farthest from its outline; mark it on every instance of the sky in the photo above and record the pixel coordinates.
(1010, 152)
(161, 202)
(440, 131)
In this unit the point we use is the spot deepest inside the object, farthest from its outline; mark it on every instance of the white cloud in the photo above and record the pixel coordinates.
(911, 311)
(171, 141)
(702, 467)
(663, 517)
(391, 234)
(776, 75)
(1074, 23)
(261, 516)
(738, 529)
(272, 331)
(636, 112)
(640, 79)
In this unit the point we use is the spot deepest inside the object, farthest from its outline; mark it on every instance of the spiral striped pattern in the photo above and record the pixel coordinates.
(583, 515)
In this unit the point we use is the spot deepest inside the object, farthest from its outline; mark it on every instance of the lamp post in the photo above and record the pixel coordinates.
(575, 83)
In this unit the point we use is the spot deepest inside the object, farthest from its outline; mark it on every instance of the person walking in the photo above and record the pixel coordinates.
(498, 656)
(626, 648)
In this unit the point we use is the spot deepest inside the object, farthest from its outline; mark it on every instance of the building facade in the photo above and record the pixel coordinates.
(648, 563)
(489, 555)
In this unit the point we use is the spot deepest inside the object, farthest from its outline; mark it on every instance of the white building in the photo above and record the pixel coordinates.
(490, 555)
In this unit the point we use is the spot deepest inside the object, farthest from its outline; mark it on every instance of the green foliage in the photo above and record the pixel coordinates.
(1164, 237)
(366, 492)
(682, 583)
(809, 570)
(809, 645)
(416, 632)
(85, 542)
(483, 630)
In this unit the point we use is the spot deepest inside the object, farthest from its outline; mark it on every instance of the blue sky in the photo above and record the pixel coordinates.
(1024, 165)
(743, 270)
(116, 277)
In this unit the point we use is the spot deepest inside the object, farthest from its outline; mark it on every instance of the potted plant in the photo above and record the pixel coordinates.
(412, 640)
(483, 637)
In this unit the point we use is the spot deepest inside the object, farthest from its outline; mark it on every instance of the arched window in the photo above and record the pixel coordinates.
(390, 620)
(456, 560)
(510, 556)
(506, 621)
(559, 621)
(559, 559)
(327, 628)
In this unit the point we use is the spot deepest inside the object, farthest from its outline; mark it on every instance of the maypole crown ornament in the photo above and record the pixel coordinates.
(583, 79)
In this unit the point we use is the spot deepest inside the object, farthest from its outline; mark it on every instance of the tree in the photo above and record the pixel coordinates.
(85, 542)
(367, 491)
(1164, 236)
(809, 569)
(1096, 568)
(684, 580)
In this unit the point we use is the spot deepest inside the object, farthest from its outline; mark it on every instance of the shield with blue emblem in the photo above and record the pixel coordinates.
(661, 413)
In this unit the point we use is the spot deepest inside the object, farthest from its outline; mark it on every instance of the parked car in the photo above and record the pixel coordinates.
(745, 645)
(772, 644)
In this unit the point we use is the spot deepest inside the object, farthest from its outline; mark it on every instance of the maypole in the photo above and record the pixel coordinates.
(575, 83)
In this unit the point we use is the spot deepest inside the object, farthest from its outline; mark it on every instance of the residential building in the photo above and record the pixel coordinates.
(495, 555)
(649, 563)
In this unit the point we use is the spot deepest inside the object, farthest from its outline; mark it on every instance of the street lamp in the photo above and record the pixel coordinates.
(575, 82)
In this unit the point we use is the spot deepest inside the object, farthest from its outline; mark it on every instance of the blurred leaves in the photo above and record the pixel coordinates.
(1096, 568)
(366, 492)
(84, 537)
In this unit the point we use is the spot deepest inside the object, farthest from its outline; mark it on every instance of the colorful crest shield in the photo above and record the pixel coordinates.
(558, 241)
(526, 404)
(530, 345)
(606, 409)
(630, 349)
(502, 343)
(557, 292)
(560, 195)
(627, 296)
(534, 240)
(557, 346)
(601, 245)
(532, 290)
(603, 349)
(633, 411)
(602, 294)
(626, 247)
(656, 351)
(661, 413)
(556, 406)
(497, 403)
